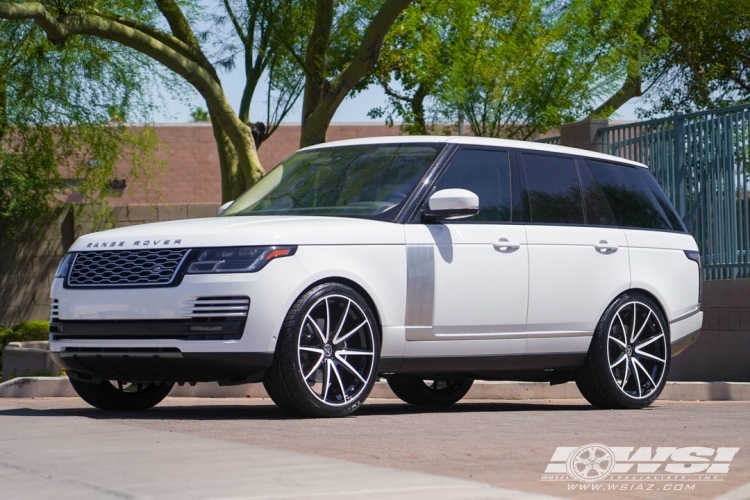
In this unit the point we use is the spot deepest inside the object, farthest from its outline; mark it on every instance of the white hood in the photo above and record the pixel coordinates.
(231, 231)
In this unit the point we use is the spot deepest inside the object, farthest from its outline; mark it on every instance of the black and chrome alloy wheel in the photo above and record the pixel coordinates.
(435, 392)
(120, 395)
(326, 358)
(628, 361)
(637, 350)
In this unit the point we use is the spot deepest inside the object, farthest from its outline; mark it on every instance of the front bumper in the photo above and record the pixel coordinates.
(162, 365)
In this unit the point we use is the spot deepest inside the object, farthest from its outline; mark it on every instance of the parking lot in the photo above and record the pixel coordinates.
(246, 448)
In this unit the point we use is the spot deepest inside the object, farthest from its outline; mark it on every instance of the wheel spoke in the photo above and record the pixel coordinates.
(649, 340)
(352, 332)
(650, 356)
(637, 378)
(618, 342)
(316, 350)
(341, 322)
(637, 364)
(327, 380)
(619, 360)
(328, 321)
(624, 330)
(635, 317)
(645, 322)
(626, 376)
(349, 367)
(119, 385)
(317, 328)
(350, 352)
(315, 368)
(338, 377)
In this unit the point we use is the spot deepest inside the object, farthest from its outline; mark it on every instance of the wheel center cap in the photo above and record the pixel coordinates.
(629, 350)
(328, 350)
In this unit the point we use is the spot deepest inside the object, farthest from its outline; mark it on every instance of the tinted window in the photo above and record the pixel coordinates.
(635, 197)
(553, 189)
(598, 211)
(486, 174)
(345, 181)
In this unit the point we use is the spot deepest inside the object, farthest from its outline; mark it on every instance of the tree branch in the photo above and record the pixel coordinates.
(236, 23)
(177, 22)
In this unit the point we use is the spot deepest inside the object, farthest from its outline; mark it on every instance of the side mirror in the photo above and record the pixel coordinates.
(224, 207)
(452, 204)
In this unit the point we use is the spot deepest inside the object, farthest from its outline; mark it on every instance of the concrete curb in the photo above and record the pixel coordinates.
(38, 387)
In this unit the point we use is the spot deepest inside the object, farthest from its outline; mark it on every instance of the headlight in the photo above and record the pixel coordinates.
(64, 267)
(236, 259)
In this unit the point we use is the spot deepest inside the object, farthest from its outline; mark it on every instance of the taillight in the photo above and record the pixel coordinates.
(695, 256)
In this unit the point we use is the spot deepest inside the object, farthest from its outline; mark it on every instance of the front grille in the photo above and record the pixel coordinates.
(215, 307)
(126, 268)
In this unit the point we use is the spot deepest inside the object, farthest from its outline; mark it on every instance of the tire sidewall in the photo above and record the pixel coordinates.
(600, 356)
(293, 331)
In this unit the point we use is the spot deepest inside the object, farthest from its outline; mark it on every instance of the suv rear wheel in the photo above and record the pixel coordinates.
(628, 361)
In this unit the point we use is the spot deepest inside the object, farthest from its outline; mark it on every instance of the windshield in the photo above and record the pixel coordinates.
(347, 181)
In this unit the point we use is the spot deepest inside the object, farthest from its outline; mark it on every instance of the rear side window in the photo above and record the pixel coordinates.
(635, 197)
(598, 211)
(553, 189)
(486, 174)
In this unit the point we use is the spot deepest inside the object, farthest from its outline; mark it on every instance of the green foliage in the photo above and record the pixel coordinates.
(23, 332)
(200, 115)
(509, 68)
(698, 56)
(62, 110)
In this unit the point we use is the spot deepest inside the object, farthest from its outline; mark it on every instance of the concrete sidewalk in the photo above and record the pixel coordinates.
(36, 387)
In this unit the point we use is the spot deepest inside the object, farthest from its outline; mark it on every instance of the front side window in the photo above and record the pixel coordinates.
(552, 189)
(368, 181)
(486, 174)
(635, 197)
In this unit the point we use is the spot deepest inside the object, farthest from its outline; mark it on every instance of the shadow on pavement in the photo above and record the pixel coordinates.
(271, 412)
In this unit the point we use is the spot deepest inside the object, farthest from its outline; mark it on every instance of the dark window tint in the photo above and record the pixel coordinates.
(553, 189)
(635, 197)
(486, 174)
(598, 211)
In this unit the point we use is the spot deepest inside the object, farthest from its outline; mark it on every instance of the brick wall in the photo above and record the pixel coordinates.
(722, 351)
(26, 270)
(191, 164)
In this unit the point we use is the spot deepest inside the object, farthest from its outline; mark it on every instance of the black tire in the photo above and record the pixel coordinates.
(606, 379)
(441, 392)
(123, 397)
(308, 345)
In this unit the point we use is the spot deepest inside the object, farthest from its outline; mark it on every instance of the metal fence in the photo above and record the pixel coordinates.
(549, 140)
(702, 161)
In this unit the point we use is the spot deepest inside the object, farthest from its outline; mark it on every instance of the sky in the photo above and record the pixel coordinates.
(352, 110)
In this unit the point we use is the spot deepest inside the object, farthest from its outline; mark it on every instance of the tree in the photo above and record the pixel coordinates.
(511, 69)
(57, 133)
(269, 28)
(700, 56)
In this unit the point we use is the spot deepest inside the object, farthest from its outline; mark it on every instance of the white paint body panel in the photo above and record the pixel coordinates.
(438, 290)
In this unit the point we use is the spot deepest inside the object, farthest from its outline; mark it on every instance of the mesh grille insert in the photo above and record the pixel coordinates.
(126, 267)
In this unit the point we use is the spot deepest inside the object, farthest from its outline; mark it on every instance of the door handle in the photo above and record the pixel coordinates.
(605, 247)
(505, 244)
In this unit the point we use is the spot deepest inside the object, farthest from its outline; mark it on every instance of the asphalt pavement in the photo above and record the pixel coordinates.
(245, 448)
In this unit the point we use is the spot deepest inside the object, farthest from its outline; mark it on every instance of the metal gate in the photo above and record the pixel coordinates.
(701, 160)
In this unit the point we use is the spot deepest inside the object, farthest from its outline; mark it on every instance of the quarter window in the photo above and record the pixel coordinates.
(486, 174)
(635, 197)
(553, 189)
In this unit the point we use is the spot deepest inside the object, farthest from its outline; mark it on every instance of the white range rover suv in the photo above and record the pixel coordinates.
(429, 261)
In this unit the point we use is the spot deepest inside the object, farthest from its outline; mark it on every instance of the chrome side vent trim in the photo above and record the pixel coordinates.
(54, 310)
(215, 307)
